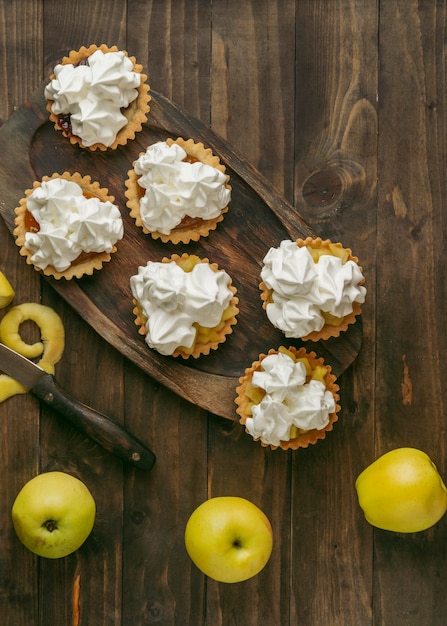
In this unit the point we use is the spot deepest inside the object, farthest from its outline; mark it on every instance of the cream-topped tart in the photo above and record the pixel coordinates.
(184, 305)
(98, 97)
(177, 191)
(67, 225)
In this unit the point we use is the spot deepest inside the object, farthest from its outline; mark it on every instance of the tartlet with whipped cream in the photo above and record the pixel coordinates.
(98, 97)
(177, 191)
(67, 226)
(184, 305)
(311, 289)
(288, 399)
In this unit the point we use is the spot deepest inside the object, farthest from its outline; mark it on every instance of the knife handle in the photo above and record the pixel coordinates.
(101, 429)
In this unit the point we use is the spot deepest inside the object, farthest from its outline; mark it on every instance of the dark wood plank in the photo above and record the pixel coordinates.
(20, 47)
(92, 371)
(411, 343)
(335, 189)
(252, 107)
(68, 27)
(173, 43)
(19, 431)
(252, 81)
(158, 504)
(63, 448)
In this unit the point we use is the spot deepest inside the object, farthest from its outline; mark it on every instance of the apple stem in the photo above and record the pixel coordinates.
(50, 525)
(237, 543)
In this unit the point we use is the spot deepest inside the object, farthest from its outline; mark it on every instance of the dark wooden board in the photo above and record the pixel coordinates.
(259, 217)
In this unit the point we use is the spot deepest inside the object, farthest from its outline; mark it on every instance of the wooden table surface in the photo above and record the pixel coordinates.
(342, 105)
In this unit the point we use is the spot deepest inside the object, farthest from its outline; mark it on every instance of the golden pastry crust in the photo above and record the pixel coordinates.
(136, 112)
(333, 327)
(85, 266)
(207, 338)
(303, 438)
(189, 229)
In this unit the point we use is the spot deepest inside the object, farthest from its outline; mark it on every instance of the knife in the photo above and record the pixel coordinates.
(96, 426)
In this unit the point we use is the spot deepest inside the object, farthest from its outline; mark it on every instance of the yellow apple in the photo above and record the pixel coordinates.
(402, 491)
(229, 538)
(6, 291)
(53, 514)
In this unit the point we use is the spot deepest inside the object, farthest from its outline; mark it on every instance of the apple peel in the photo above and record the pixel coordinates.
(49, 348)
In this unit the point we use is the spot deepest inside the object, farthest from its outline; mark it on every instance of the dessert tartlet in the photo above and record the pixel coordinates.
(184, 305)
(67, 226)
(177, 191)
(98, 97)
(288, 399)
(311, 289)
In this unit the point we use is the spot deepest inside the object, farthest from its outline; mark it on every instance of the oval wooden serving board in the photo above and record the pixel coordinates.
(258, 219)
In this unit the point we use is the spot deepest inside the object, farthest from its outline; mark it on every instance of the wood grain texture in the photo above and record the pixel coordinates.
(341, 105)
(411, 343)
(21, 45)
(247, 60)
(20, 39)
(336, 191)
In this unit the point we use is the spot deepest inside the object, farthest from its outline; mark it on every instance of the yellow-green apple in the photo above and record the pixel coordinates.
(229, 538)
(53, 514)
(402, 491)
(6, 291)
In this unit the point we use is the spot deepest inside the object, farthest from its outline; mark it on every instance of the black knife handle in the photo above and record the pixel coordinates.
(94, 425)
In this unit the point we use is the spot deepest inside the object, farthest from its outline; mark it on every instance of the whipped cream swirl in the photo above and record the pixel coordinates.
(69, 223)
(174, 301)
(288, 401)
(175, 188)
(94, 95)
(303, 290)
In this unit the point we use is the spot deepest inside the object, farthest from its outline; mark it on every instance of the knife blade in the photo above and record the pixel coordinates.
(96, 426)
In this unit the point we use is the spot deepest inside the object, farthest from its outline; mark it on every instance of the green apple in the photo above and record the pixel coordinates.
(53, 514)
(402, 491)
(229, 538)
